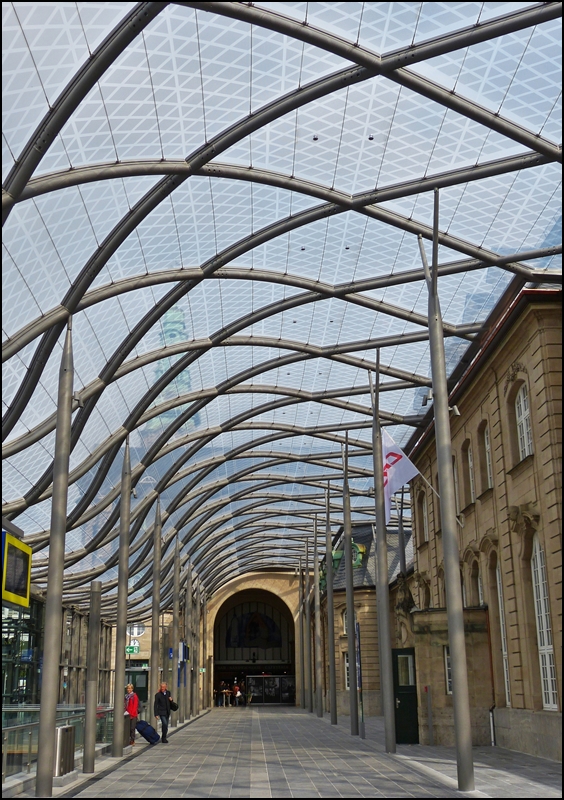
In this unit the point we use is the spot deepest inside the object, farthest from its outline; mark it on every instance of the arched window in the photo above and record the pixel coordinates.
(544, 628)
(503, 632)
(476, 593)
(523, 420)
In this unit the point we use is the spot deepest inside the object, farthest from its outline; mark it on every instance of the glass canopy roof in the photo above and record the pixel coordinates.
(227, 199)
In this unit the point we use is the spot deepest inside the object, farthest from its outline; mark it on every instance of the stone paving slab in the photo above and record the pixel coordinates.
(287, 752)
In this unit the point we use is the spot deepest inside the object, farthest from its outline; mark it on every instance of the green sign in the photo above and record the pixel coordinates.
(202, 669)
(130, 650)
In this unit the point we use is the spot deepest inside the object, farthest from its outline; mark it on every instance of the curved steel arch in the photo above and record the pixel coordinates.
(230, 386)
(156, 313)
(393, 68)
(325, 432)
(91, 173)
(152, 199)
(119, 234)
(106, 534)
(145, 542)
(286, 430)
(357, 202)
(72, 95)
(38, 491)
(211, 265)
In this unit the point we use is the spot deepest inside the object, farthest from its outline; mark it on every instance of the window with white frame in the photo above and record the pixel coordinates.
(544, 628)
(523, 419)
(347, 677)
(488, 454)
(503, 632)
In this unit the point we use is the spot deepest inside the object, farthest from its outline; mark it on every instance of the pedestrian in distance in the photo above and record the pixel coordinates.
(236, 693)
(162, 709)
(221, 694)
(131, 707)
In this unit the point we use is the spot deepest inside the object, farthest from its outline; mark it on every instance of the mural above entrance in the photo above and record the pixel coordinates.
(253, 630)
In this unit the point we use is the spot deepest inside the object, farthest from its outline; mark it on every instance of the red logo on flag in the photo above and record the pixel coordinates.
(391, 459)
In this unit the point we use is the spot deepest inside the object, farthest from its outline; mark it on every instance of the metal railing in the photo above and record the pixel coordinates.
(20, 741)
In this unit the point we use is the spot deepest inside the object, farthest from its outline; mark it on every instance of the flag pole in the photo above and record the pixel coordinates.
(382, 586)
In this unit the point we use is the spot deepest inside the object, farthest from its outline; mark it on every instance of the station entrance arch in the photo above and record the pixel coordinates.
(254, 641)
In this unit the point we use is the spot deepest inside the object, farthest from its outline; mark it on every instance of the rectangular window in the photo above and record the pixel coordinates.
(488, 452)
(406, 670)
(544, 628)
(448, 671)
(346, 670)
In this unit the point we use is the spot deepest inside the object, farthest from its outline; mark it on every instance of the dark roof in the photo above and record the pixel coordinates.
(365, 574)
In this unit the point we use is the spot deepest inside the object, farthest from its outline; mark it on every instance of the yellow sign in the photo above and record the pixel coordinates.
(16, 570)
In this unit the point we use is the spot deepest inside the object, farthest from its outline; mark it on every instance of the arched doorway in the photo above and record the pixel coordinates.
(254, 642)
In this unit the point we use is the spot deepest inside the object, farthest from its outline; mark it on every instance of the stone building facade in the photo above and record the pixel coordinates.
(507, 468)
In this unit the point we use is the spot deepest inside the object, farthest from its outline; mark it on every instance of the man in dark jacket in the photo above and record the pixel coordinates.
(162, 710)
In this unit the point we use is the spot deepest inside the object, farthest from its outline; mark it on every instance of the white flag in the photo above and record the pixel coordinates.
(398, 469)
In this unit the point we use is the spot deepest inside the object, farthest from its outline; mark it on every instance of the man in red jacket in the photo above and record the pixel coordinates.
(132, 708)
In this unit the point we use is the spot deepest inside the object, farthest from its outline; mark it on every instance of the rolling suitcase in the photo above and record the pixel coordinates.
(147, 732)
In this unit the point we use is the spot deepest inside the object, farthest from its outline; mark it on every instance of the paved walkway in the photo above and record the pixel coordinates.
(287, 752)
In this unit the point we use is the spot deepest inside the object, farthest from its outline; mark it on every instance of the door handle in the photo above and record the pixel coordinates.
(397, 703)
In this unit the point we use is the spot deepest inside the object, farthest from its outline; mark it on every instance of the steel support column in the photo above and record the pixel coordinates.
(317, 606)
(175, 631)
(330, 610)
(165, 676)
(55, 574)
(349, 585)
(188, 635)
(92, 667)
(205, 702)
(308, 665)
(183, 667)
(154, 677)
(382, 582)
(302, 636)
(122, 592)
(198, 704)
(455, 615)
